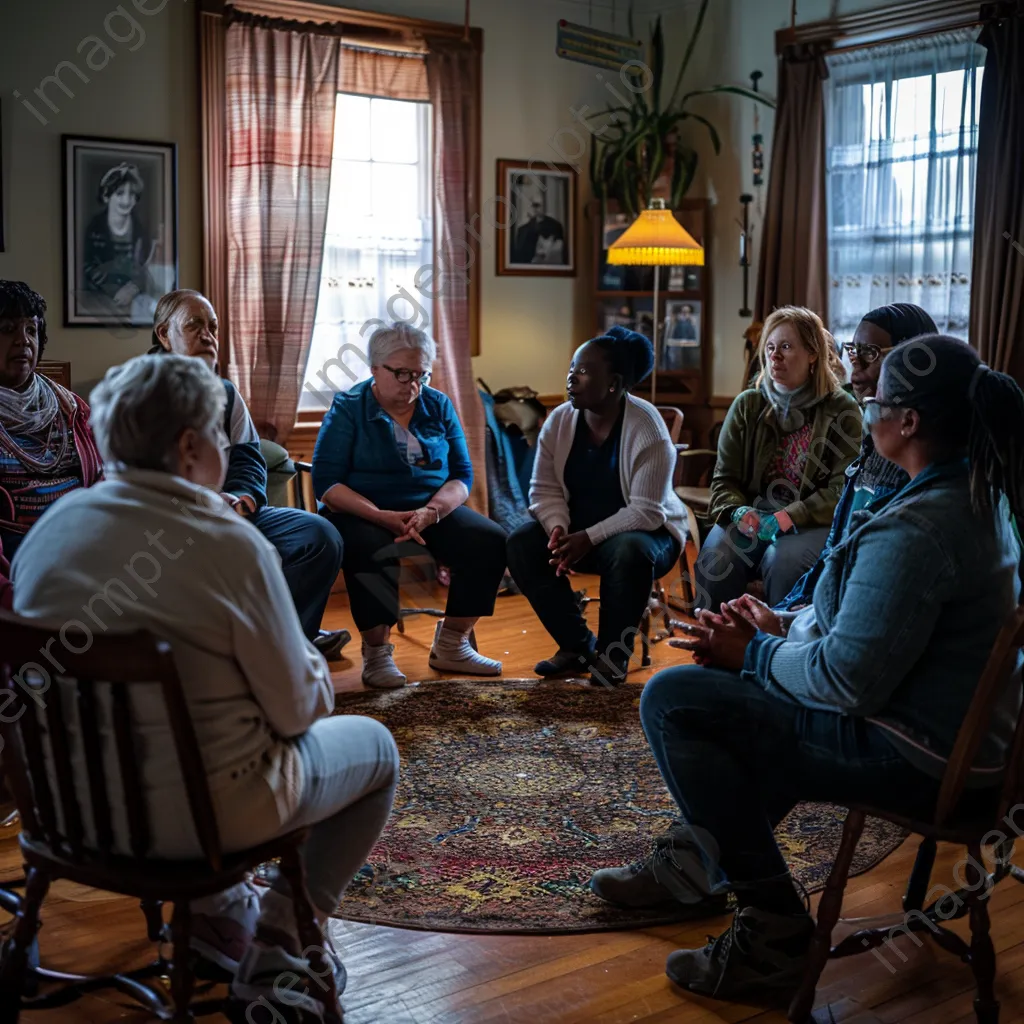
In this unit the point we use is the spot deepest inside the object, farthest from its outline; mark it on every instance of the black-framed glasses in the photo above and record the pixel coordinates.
(866, 353)
(408, 376)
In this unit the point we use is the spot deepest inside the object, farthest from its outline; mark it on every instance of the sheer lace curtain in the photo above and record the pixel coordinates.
(901, 150)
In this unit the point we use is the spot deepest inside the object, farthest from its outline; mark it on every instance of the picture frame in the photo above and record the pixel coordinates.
(636, 313)
(681, 336)
(537, 234)
(120, 229)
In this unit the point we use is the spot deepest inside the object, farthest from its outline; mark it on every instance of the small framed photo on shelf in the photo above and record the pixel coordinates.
(635, 313)
(538, 235)
(681, 336)
(120, 230)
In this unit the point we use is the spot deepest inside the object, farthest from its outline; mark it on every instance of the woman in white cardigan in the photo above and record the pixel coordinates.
(602, 501)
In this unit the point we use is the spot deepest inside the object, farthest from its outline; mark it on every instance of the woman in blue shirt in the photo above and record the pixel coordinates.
(392, 471)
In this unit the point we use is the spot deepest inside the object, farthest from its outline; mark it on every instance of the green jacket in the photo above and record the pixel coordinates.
(749, 440)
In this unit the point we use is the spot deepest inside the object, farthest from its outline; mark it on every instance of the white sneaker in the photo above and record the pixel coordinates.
(452, 652)
(222, 937)
(379, 668)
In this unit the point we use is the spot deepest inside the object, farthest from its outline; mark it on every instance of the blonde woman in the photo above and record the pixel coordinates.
(782, 459)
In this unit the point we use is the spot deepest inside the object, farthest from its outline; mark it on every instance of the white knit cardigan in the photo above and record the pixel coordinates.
(647, 459)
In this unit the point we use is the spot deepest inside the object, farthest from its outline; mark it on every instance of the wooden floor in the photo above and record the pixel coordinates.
(409, 977)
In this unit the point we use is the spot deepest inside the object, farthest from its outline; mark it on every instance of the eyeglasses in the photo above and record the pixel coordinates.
(873, 410)
(865, 353)
(408, 376)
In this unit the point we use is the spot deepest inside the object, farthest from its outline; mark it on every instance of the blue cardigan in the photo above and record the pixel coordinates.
(356, 446)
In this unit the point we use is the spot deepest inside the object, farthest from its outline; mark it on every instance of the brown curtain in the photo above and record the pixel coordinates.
(453, 77)
(793, 269)
(398, 76)
(997, 279)
(281, 87)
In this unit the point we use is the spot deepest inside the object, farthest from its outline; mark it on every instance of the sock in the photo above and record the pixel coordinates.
(220, 904)
(775, 896)
(277, 915)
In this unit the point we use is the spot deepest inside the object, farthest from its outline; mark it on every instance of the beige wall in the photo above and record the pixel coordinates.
(147, 90)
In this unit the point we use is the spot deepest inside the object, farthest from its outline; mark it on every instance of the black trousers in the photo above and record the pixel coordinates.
(471, 546)
(628, 565)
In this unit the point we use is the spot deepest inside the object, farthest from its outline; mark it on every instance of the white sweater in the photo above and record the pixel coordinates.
(647, 459)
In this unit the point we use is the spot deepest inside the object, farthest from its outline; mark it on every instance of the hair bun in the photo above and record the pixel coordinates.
(633, 353)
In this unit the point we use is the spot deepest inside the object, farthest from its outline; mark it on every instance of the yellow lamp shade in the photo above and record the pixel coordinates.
(656, 239)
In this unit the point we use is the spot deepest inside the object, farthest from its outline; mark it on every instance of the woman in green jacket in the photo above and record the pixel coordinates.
(782, 456)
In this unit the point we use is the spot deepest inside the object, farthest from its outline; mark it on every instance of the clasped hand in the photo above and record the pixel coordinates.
(408, 525)
(567, 549)
(720, 640)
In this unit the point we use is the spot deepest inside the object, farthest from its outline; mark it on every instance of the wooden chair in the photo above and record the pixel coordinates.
(674, 419)
(948, 825)
(53, 839)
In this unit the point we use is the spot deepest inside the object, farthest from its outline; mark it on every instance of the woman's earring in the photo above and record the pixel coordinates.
(611, 389)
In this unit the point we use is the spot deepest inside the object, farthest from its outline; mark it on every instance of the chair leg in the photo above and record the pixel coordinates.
(917, 887)
(14, 966)
(312, 939)
(153, 912)
(829, 909)
(983, 953)
(182, 975)
(645, 638)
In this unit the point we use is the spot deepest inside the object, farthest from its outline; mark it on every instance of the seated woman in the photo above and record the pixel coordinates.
(870, 479)
(782, 455)
(185, 322)
(602, 501)
(46, 446)
(863, 699)
(258, 692)
(392, 471)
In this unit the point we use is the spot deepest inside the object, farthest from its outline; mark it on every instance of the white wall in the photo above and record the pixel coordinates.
(148, 89)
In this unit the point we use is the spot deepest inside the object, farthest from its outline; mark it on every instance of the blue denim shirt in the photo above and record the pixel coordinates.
(908, 607)
(356, 446)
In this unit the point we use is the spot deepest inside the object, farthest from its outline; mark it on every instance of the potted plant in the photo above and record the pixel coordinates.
(642, 147)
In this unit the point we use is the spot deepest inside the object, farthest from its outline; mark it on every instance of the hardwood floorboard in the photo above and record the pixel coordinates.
(403, 976)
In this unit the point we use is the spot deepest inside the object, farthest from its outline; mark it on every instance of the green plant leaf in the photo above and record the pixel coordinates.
(695, 35)
(657, 64)
(736, 90)
(712, 131)
(683, 174)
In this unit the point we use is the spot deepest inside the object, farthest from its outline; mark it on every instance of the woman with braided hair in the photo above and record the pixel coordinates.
(602, 501)
(862, 699)
(46, 446)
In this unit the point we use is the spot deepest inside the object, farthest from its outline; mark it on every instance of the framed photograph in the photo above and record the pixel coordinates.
(120, 230)
(635, 313)
(680, 336)
(537, 236)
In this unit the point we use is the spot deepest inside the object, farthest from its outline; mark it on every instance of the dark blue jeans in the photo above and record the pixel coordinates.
(737, 761)
(310, 550)
(627, 563)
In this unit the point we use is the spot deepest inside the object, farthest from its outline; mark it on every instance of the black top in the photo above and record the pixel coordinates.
(592, 476)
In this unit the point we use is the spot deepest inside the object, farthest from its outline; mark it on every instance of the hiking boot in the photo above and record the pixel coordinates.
(672, 876)
(759, 960)
(379, 668)
(564, 663)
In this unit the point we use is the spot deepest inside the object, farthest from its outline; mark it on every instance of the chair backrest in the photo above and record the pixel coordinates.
(673, 418)
(87, 664)
(978, 721)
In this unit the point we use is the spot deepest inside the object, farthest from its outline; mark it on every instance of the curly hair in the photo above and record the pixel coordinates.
(17, 300)
(118, 176)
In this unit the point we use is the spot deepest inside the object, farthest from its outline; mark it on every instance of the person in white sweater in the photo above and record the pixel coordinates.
(154, 546)
(602, 502)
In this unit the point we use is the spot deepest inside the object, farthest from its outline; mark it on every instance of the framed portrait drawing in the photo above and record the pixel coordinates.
(120, 230)
(536, 203)
(680, 336)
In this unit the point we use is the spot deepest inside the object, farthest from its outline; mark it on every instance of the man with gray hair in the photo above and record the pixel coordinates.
(185, 323)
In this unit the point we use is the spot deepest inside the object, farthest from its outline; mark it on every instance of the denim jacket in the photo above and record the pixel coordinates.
(908, 607)
(356, 446)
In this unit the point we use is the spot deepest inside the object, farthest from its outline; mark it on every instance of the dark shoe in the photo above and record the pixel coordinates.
(564, 663)
(760, 960)
(330, 642)
(673, 876)
(609, 669)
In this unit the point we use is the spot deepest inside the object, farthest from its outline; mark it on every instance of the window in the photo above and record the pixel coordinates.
(379, 234)
(901, 141)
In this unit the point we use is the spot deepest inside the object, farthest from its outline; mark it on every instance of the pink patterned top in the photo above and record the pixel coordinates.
(790, 458)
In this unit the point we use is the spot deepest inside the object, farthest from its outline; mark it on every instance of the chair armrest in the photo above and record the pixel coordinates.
(694, 467)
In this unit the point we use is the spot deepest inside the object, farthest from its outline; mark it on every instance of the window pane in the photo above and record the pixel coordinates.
(393, 131)
(395, 192)
(352, 127)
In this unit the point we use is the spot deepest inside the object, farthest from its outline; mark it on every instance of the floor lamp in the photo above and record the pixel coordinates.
(656, 239)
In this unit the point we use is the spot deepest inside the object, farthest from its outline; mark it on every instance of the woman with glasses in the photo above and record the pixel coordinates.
(782, 455)
(392, 471)
(871, 479)
(864, 697)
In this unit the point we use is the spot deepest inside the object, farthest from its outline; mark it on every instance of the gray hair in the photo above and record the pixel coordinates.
(169, 306)
(140, 408)
(392, 338)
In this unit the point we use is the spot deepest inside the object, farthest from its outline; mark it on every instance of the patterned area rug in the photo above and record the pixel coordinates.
(514, 792)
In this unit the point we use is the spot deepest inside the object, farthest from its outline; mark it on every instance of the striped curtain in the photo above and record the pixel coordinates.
(453, 71)
(281, 87)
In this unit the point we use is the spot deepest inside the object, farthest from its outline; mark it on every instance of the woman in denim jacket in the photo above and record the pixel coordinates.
(861, 697)
(392, 472)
